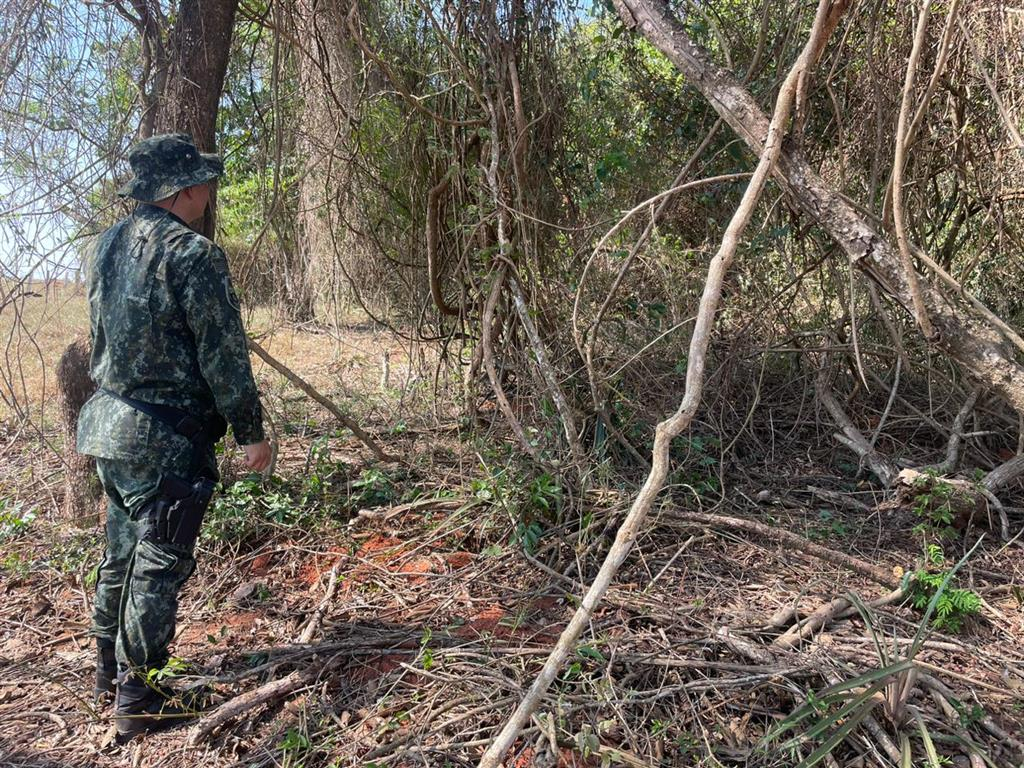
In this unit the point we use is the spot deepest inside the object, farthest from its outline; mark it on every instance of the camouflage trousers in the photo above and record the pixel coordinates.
(137, 586)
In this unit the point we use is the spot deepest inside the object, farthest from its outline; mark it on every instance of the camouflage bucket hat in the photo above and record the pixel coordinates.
(166, 164)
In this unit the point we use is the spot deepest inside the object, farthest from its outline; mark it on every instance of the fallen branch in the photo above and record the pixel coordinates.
(873, 572)
(801, 631)
(839, 499)
(1004, 474)
(748, 650)
(839, 608)
(852, 437)
(335, 411)
(265, 694)
(956, 437)
(318, 615)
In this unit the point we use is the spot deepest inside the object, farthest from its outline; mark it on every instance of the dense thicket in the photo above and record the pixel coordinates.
(460, 173)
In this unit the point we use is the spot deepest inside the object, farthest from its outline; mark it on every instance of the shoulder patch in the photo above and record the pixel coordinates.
(230, 292)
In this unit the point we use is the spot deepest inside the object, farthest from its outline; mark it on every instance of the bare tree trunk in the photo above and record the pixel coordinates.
(82, 493)
(151, 24)
(328, 69)
(200, 48)
(971, 340)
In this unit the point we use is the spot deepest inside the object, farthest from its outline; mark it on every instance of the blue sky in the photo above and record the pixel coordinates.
(54, 145)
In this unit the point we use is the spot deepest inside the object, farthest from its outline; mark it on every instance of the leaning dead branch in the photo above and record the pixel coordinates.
(268, 693)
(668, 429)
(537, 345)
(899, 161)
(975, 342)
(323, 400)
(873, 572)
(318, 615)
(956, 437)
(852, 437)
(1004, 474)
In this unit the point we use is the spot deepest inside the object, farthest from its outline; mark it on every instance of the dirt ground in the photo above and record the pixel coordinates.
(385, 615)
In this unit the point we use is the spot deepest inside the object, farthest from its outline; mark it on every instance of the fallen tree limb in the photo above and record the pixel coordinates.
(668, 429)
(838, 608)
(1004, 474)
(839, 499)
(335, 411)
(852, 437)
(265, 694)
(318, 615)
(956, 437)
(875, 573)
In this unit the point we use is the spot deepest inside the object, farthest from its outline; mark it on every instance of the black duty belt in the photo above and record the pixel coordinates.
(198, 432)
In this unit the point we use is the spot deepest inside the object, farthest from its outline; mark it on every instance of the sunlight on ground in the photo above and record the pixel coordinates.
(36, 329)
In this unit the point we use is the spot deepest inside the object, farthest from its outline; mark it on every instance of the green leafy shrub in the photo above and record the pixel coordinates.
(953, 605)
(373, 488)
(14, 519)
(247, 508)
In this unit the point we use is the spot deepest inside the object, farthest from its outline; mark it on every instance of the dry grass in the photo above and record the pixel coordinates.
(35, 330)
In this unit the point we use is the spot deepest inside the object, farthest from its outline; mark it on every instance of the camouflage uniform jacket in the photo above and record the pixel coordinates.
(166, 328)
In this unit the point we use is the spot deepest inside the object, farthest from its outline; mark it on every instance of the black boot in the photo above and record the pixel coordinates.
(145, 707)
(106, 671)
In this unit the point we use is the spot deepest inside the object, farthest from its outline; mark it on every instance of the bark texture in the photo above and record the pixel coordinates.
(329, 207)
(82, 493)
(970, 340)
(200, 49)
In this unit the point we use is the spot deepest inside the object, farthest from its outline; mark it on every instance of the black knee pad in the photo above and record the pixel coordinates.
(175, 516)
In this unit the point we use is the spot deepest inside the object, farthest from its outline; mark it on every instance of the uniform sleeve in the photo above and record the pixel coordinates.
(213, 313)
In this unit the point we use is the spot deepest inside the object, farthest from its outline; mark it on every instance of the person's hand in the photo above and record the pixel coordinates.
(257, 455)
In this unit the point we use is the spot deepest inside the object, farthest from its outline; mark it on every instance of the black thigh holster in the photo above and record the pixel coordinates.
(175, 516)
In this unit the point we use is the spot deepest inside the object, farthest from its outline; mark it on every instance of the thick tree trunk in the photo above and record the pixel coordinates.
(200, 48)
(966, 338)
(82, 491)
(328, 68)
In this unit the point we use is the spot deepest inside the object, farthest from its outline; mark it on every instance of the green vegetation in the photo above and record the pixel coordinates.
(248, 508)
(933, 504)
(952, 606)
(830, 717)
(15, 519)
